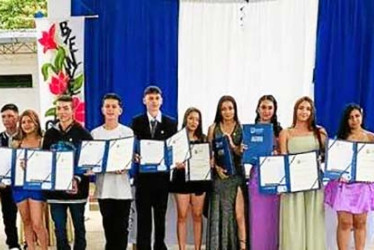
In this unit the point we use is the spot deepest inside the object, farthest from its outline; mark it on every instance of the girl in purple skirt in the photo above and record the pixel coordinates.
(351, 201)
(264, 208)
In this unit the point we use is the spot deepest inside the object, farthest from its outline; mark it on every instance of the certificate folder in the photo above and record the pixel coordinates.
(119, 154)
(17, 172)
(159, 161)
(161, 156)
(260, 139)
(7, 155)
(302, 172)
(198, 166)
(48, 170)
(352, 161)
(91, 155)
(222, 152)
(179, 145)
(289, 173)
(272, 174)
(105, 155)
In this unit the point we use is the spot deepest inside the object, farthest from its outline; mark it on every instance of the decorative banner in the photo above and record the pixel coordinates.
(61, 64)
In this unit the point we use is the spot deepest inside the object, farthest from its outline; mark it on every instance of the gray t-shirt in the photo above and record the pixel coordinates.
(112, 185)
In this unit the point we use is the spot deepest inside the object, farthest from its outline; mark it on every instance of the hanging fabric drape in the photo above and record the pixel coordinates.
(245, 50)
(130, 45)
(344, 60)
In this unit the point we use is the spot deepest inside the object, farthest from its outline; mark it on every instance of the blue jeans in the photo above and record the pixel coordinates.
(59, 216)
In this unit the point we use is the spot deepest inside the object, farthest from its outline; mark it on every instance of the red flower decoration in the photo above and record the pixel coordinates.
(59, 84)
(79, 108)
(48, 39)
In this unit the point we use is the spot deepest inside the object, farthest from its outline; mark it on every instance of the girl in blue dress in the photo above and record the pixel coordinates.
(30, 203)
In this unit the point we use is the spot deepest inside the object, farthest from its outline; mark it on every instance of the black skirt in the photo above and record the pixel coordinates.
(180, 186)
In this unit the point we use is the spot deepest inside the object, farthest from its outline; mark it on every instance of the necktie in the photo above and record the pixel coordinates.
(153, 127)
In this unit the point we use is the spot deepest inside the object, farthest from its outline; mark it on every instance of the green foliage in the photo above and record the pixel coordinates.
(45, 70)
(19, 14)
(60, 58)
(77, 83)
(50, 112)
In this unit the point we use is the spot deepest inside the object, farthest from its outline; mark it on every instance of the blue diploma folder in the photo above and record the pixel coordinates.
(222, 153)
(9, 156)
(49, 181)
(155, 167)
(101, 166)
(349, 171)
(260, 141)
(283, 183)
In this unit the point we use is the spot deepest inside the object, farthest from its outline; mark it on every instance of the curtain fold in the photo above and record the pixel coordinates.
(132, 44)
(344, 60)
(245, 50)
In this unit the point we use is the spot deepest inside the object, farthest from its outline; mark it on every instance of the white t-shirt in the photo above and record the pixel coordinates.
(112, 185)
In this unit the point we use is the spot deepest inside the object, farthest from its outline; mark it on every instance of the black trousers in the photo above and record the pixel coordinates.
(115, 221)
(151, 193)
(9, 210)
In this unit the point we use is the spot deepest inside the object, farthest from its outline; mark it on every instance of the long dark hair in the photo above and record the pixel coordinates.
(225, 98)
(344, 129)
(274, 119)
(199, 130)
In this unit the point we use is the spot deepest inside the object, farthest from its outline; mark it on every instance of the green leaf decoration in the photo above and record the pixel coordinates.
(60, 58)
(50, 112)
(45, 70)
(77, 83)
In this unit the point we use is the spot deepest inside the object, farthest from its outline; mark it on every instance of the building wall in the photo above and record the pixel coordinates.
(25, 98)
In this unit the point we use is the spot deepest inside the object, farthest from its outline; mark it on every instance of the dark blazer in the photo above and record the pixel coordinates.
(165, 129)
(4, 139)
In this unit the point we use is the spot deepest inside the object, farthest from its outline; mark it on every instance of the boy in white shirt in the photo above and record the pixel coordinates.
(113, 190)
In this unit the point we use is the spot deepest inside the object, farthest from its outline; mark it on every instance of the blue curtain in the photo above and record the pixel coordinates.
(132, 44)
(344, 69)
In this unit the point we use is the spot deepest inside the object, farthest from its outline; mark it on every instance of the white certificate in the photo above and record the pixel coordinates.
(247, 170)
(6, 155)
(19, 173)
(198, 167)
(91, 154)
(39, 165)
(180, 147)
(152, 152)
(120, 154)
(64, 170)
(272, 172)
(339, 158)
(365, 162)
(303, 172)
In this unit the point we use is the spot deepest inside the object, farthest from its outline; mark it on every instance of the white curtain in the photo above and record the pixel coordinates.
(245, 50)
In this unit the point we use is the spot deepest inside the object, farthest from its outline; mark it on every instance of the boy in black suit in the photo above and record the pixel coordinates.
(9, 116)
(152, 188)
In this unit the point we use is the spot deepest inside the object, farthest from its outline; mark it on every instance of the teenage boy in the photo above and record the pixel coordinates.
(68, 134)
(152, 188)
(113, 190)
(9, 116)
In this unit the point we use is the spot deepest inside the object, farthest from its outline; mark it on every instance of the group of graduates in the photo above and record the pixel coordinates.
(238, 216)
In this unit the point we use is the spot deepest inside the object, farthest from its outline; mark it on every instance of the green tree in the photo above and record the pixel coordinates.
(19, 14)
